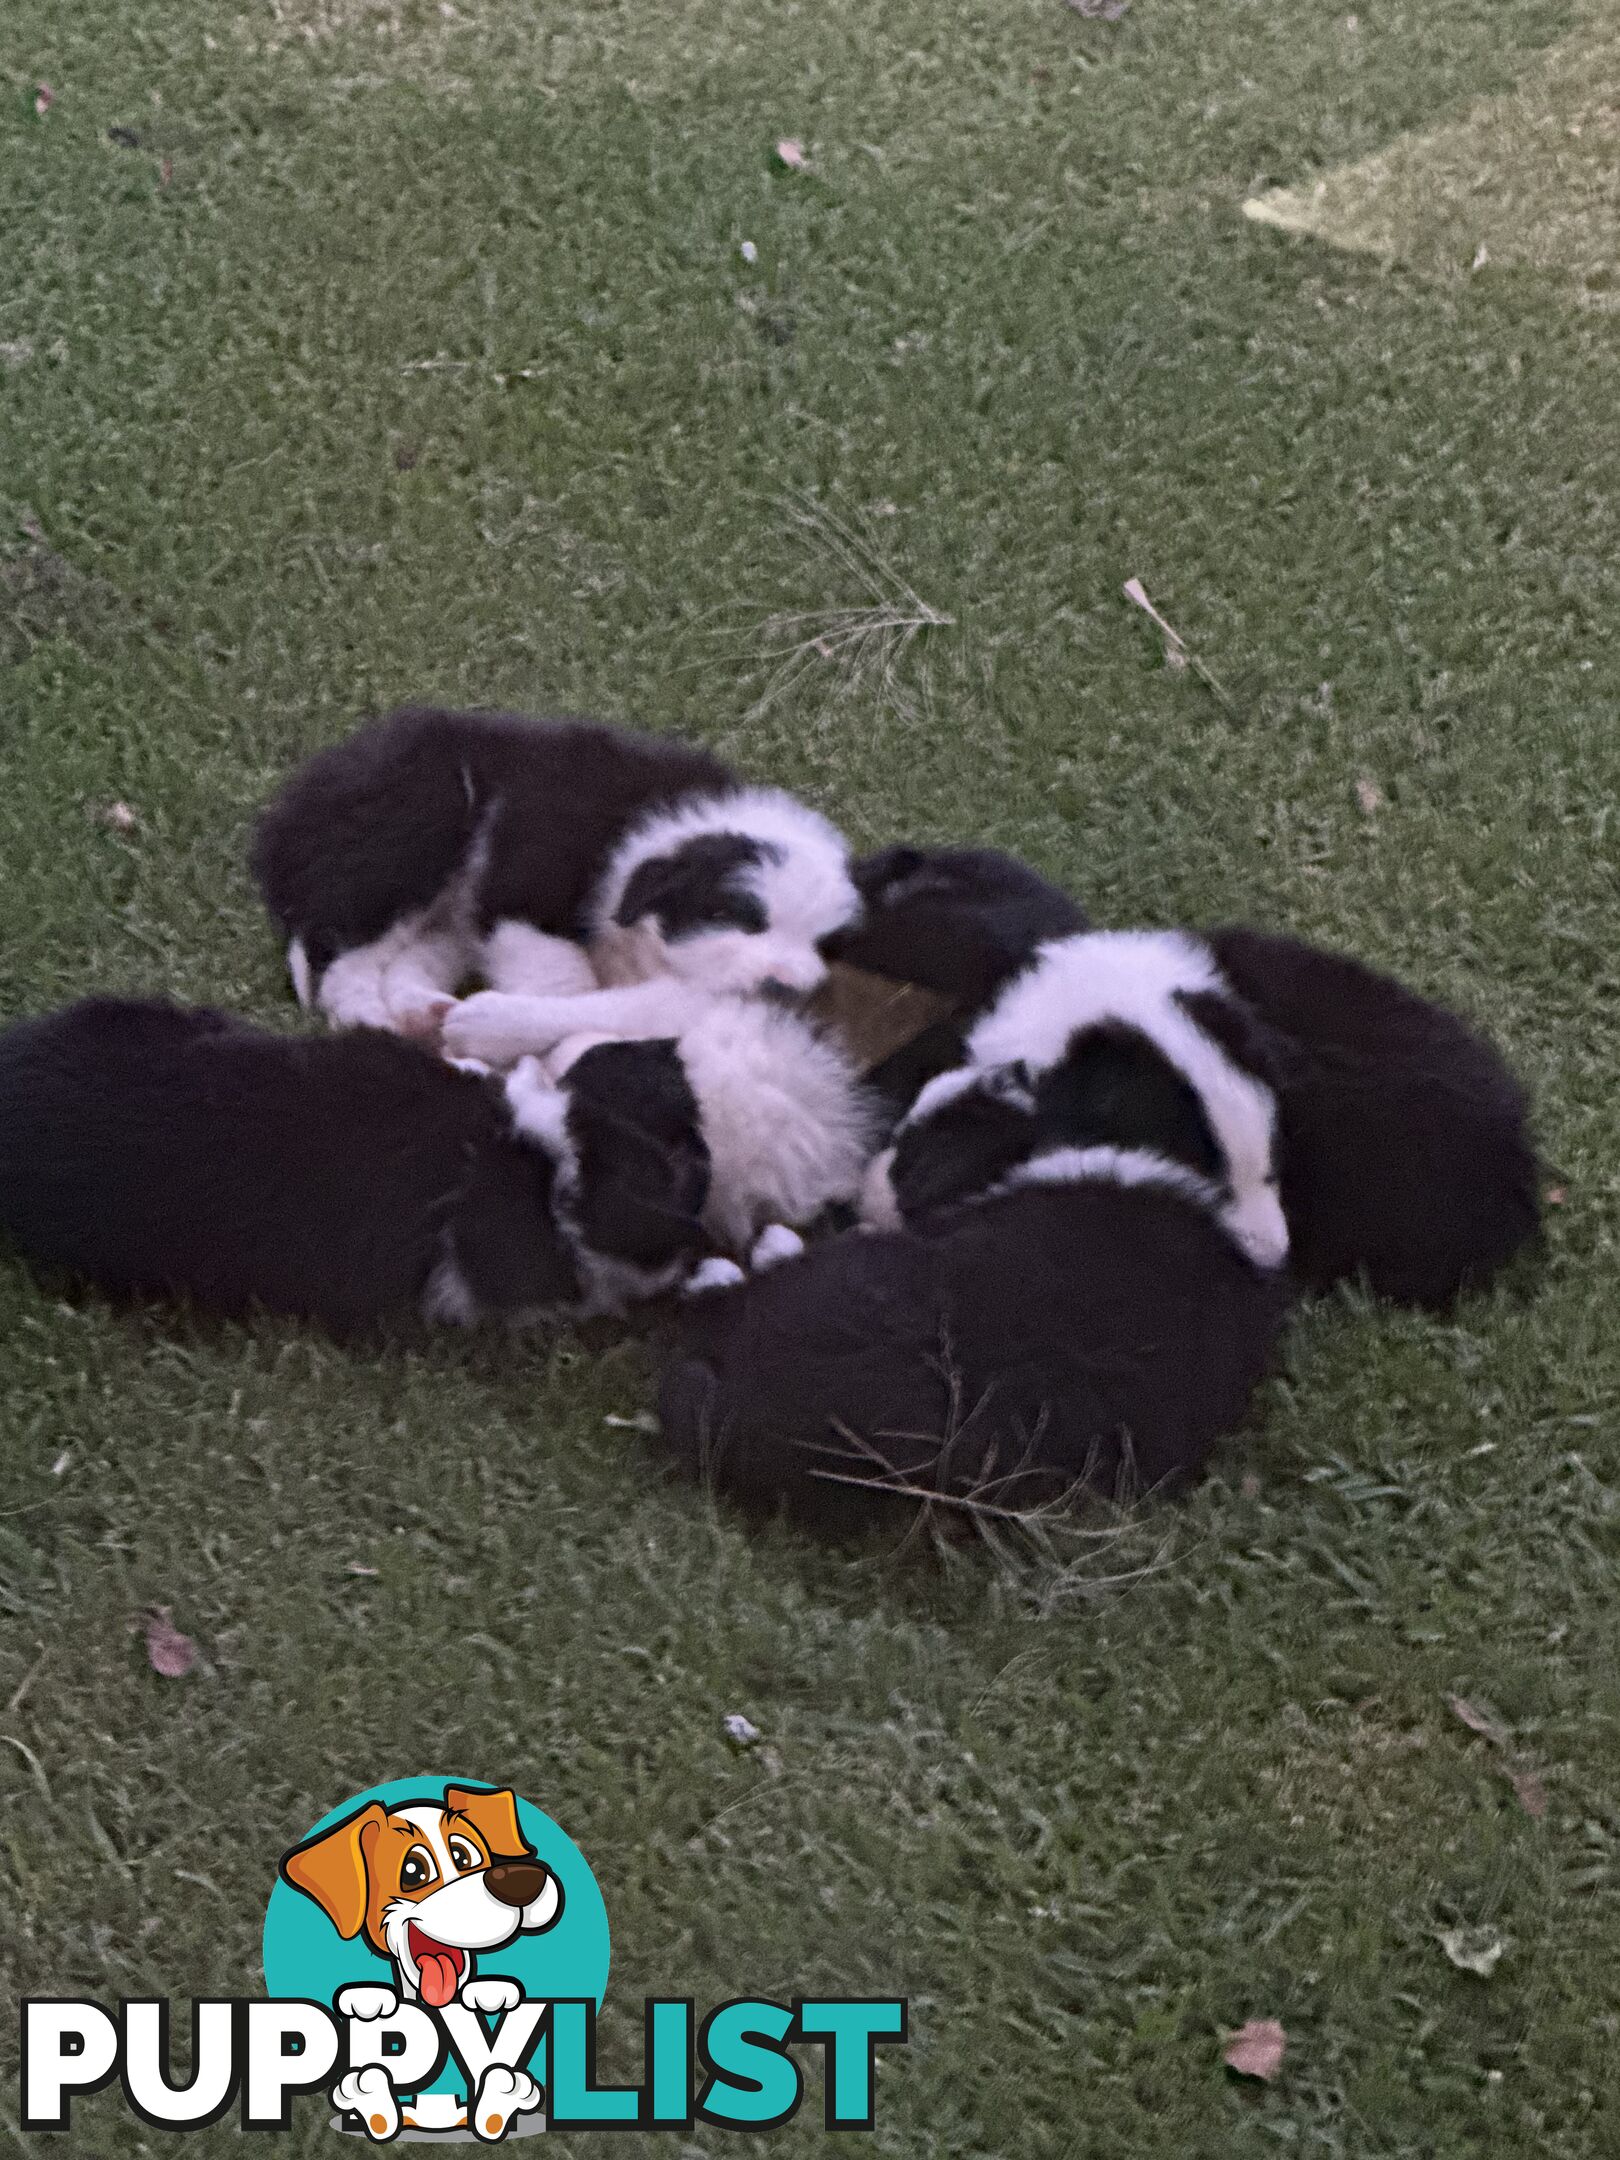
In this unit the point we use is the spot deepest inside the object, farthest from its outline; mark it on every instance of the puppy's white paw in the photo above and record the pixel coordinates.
(475, 1066)
(775, 1243)
(366, 2003)
(500, 1029)
(502, 2094)
(491, 1997)
(880, 1210)
(368, 2094)
(713, 1275)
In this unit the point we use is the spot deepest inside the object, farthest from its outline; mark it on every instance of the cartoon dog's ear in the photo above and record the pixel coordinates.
(494, 1816)
(331, 1868)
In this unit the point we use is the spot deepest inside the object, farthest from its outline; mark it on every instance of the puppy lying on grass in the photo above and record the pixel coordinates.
(351, 1179)
(1077, 1284)
(542, 856)
(1405, 1157)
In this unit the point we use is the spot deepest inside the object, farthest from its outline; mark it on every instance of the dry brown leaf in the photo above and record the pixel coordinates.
(1370, 796)
(1100, 10)
(1479, 1721)
(168, 1651)
(119, 817)
(791, 153)
(166, 172)
(1532, 1794)
(1557, 1195)
(44, 99)
(1256, 2049)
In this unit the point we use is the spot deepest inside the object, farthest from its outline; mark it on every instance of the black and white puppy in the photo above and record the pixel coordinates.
(1403, 1150)
(960, 922)
(1088, 1323)
(547, 857)
(1076, 1281)
(1110, 1040)
(789, 1128)
(350, 1179)
(1407, 1158)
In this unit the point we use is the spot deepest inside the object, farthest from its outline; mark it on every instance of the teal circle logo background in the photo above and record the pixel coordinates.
(304, 1955)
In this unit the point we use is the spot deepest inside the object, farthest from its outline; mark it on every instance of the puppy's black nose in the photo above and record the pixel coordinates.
(781, 993)
(515, 1882)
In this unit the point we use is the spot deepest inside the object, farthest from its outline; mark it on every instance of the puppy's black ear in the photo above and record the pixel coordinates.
(965, 1147)
(877, 877)
(698, 883)
(643, 1161)
(653, 888)
(1238, 1029)
(505, 1234)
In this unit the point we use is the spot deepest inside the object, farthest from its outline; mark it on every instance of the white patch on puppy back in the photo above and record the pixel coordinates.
(1111, 1166)
(1075, 982)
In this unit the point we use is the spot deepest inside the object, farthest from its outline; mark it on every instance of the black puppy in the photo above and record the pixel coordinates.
(350, 1179)
(1405, 1144)
(958, 921)
(1083, 1326)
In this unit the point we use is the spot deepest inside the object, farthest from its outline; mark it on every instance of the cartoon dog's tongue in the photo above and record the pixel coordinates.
(438, 1969)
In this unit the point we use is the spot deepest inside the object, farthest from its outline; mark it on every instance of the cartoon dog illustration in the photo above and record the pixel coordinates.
(429, 1885)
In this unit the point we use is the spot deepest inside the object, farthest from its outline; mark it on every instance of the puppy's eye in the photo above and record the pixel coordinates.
(418, 1870)
(466, 1857)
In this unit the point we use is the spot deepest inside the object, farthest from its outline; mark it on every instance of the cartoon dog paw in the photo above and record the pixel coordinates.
(366, 2003)
(713, 1275)
(491, 1996)
(368, 2094)
(502, 2095)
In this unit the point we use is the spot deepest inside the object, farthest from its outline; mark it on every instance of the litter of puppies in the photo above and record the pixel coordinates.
(972, 1206)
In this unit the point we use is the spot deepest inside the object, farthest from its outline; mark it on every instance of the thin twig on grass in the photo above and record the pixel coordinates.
(1177, 651)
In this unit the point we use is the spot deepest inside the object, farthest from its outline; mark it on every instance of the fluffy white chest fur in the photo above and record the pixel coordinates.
(788, 1125)
(788, 1128)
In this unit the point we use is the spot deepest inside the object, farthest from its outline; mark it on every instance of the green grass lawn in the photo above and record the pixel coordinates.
(407, 350)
